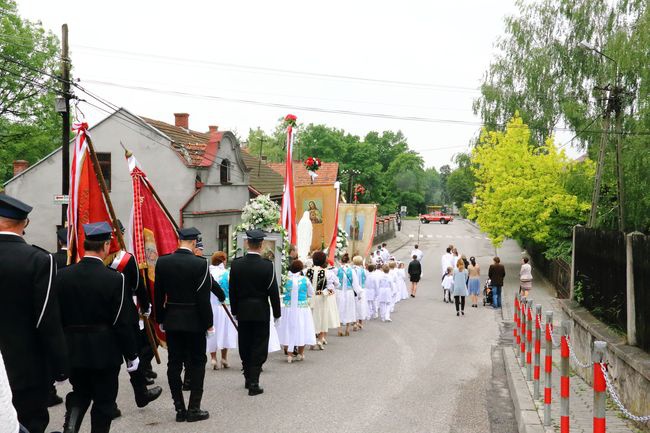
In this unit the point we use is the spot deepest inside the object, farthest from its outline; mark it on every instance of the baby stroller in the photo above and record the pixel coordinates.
(487, 293)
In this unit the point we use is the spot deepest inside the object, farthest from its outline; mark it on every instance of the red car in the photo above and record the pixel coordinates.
(436, 217)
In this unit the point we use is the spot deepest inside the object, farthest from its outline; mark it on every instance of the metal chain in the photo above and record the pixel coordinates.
(617, 400)
(573, 355)
(555, 343)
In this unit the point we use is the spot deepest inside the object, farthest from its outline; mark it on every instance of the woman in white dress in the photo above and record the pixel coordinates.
(345, 295)
(324, 310)
(296, 325)
(361, 303)
(401, 271)
(225, 335)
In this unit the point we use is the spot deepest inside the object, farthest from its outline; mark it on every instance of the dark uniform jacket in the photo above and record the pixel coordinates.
(61, 259)
(415, 268)
(182, 292)
(94, 310)
(252, 284)
(31, 337)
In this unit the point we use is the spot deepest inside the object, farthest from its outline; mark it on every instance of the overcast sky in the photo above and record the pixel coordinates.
(242, 50)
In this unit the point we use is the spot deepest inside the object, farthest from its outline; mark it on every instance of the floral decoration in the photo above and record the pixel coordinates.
(290, 120)
(359, 191)
(312, 163)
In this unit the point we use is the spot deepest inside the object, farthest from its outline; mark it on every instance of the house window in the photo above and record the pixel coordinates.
(223, 238)
(225, 171)
(104, 159)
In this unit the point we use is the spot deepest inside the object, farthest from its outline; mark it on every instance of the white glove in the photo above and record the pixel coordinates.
(210, 331)
(61, 382)
(275, 320)
(148, 312)
(132, 366)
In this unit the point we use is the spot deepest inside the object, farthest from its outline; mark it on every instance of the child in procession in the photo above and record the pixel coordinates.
(448, 284)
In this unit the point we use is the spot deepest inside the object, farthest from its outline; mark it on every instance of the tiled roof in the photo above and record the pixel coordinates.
(262, 178)
(327, 173)
(189, 145)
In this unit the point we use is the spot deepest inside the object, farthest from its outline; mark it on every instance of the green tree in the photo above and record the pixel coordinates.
(521, 190)
(433, 189)
(407, 183)
(543, 72)
(29, 125)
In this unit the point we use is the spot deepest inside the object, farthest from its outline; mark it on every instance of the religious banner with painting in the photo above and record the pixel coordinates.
(320, 202)
(358, 220)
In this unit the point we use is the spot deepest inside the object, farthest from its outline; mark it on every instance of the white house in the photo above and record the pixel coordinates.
(200, 176)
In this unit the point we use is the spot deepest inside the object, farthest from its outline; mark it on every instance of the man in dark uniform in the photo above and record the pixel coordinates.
(99, 331)
(182, 305)
(252, 284)
(31, 337)
(125, 263)
(61, 260)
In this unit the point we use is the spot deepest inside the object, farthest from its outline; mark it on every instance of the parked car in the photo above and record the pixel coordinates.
(440, 217)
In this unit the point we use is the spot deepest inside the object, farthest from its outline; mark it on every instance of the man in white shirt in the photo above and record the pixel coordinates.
(417, 252)
(385, 254)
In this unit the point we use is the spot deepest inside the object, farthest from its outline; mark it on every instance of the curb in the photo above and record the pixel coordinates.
(528, 420)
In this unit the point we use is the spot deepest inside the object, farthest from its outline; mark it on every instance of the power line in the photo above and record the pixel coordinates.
(176, 60)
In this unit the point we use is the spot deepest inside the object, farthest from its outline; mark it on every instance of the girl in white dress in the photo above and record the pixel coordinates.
(325, 282)
(225, 335)
(384, 287)
(392, 272)
(361, 303)
(345, 295)
(296, 325)
(371, 292)
(401, 271)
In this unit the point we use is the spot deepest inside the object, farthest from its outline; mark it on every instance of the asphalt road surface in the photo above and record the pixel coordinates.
(427, 371)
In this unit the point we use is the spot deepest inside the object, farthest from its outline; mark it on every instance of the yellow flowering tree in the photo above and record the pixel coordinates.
(521, 189)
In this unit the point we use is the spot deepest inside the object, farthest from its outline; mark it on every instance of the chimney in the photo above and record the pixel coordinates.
(182, 120)
(212, 148)
(20, 165)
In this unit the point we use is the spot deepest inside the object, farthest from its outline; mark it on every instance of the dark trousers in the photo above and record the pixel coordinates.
(31, 407)
(459, 300)
(253, 347)
(98, 386)
(145, 352)
(186, 348)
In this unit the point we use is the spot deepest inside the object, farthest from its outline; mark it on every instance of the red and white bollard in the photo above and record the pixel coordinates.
(522, 332)
(564, 377)
(538, 350)
(548, 367)
(600, 386)
(529, 341)
(515, 334)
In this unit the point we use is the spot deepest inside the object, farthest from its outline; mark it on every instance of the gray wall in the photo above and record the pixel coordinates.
(174, 182)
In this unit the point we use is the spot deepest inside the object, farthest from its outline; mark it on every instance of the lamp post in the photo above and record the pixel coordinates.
(614, 104)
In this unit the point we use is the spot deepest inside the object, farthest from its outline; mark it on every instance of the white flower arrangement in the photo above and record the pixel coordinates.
(264, 214)
(341, 242)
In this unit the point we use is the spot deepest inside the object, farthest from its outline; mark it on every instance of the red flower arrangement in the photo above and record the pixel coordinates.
(312, 163)
(359, 190)
(290, 119)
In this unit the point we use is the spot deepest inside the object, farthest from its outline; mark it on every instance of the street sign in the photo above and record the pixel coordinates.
(61, 199)
(403, 209)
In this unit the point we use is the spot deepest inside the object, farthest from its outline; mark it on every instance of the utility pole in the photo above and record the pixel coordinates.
(593, 216)
(259, 164)
(65, 124)
(618, 108)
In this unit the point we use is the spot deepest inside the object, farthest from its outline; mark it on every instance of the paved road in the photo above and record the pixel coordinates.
(427, 371)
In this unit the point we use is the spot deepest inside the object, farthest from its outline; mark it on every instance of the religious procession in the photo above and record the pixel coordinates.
(113, 295)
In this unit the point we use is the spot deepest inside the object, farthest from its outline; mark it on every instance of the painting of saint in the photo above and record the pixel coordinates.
(315, 213)
(354, 226)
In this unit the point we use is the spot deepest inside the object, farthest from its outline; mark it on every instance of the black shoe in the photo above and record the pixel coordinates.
(148, 381)
(462, 312)
(181, 415)
(116, 413)
(141, 400)
(151, 374)
(255, 389)
(194, 415)
(53, 399)
(457, 313)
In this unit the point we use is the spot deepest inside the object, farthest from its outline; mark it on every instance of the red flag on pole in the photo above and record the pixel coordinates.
(151, 232)
(288, 214)
(87, 202)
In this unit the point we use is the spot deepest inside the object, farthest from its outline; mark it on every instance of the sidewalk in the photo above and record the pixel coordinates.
(581, 393)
